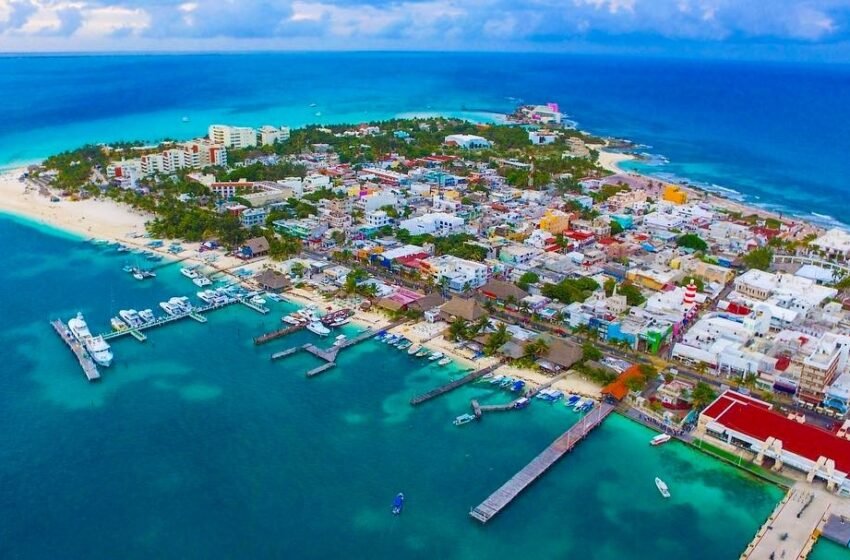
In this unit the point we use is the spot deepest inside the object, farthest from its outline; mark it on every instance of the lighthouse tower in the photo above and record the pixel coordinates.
(690, 294)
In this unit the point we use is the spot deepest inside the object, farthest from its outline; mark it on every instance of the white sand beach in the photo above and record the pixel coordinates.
(612, 160)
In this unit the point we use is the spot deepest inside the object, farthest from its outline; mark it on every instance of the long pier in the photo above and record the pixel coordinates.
(451, 386)
(516, 404)
(500, 499)
(86, 362)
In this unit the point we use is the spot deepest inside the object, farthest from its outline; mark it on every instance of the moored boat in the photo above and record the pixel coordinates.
(317, 328)
(463, 419)
(398, 504)
(436, 356)
(201, 281)
(189, 273)
(444, 362)
(117, 324)
(414, 348)
(660, 439)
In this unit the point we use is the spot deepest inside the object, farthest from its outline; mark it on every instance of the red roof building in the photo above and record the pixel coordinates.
(750, 423)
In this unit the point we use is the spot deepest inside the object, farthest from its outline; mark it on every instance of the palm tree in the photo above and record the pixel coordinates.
(497, 339)
(459, 329)
(479, 326)
(536, 348)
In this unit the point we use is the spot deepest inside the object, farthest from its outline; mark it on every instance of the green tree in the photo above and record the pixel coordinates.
(589, 352)
(458, 330)
(527, 279)
(616, 228)
(497, 339)
(692, 241)
(536, 348)
(760, 258)
(702, 395)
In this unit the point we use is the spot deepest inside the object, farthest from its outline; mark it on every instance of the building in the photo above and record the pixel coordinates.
(555, 221)
(189, 155)
(233, 136)
(542, 137)
(456, 274)
(822, 366)
(468, 141)
(438, 224)
(503, 292)
(751, 424)
(377, 219)
(253, 248)
(674, 194)
(270, 135)
(467, 309)
(251, 217)
(272, 281)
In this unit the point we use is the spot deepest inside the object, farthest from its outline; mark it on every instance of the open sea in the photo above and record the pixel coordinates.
(771, 134)
(195, 445)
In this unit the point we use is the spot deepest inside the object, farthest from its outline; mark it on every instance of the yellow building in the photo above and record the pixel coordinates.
(555, 222)
(674, 194)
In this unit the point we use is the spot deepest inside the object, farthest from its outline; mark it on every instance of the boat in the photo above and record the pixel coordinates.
(390, 339)
(571, 400)
(256, 300)
(96, 346)
(521, 402)
(118, 324)
(662, 487)
(292, 320)
(414, 348)
(422, 353)
(398, 504)
(444, 362)
(463, 419)
(201, 281)
(436, 356)
(340, 340)
(131, 317)
(496, 380)
(340, 321)
(404, 344)
(169, 308)
(207, 296)
(517, 386)
(579, 404)
(660, 439)
(147, 316)
(316, 327)
(189, 273)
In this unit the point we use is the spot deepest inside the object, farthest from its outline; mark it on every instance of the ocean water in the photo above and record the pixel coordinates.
(195, 445)
(771, 134)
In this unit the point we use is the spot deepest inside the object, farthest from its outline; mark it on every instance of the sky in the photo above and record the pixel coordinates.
(806, 30)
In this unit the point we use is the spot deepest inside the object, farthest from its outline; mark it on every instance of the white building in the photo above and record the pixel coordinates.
(196, 154)
(542, 137)
(834, 243)
(468, 141)
(270, 134)
(233, 136)
(437, 223)
(458, 274)
(377, 219)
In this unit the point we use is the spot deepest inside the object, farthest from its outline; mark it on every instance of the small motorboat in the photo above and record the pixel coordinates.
(444, 362)
(422, 353)
(436, 356)
(398, 504)
(413, 349)
(662, 487)
(463, 419)
(660, 439)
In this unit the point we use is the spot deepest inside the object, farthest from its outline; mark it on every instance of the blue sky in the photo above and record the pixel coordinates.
(760, 29)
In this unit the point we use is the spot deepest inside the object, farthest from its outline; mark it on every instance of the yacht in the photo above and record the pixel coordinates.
(316, 327)
(201, 281)
(188, 273)
(169, 308)
(293, 319)
(117, 324)
(97, 348)
(182, 303)
(131, 317)
(207, 296)
(340, 340)
(660, 439)
(147, 316)
(662, 487)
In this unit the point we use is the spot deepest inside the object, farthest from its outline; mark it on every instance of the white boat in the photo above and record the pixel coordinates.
(340, 340)
(97, 348)
(189, 273)
(201, 281)
(316, 327)
(660, 439)
(117, 324)
(341, 321)
(257, 300)
(463, 419)
(292, 320)
(662, 487)
(147, 316)
(436, 356)
(169, 308)
(444, 362)
(131, 317)
(182, 303)
(413, 349)
(207, 296)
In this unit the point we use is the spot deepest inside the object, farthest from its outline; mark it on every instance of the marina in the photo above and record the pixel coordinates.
(88, 365)
(502, 497)
(451, 386)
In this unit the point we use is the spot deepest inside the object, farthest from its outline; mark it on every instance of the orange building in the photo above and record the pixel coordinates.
(674, 194)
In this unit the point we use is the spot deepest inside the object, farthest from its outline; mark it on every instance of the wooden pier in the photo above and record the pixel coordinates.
(326, 354)
(500, 499)
(321, 369)
(451, 386)
(86, 362)
(273, 335)
(287, 352)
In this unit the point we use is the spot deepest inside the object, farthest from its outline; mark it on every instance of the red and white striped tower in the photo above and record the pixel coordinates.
(690, 293)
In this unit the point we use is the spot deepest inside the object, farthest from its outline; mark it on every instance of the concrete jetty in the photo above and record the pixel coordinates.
(88, 365)
(321, 369)
(500, 499)
(451, 386)
(285, 353)
(792, 529)
(273, 335)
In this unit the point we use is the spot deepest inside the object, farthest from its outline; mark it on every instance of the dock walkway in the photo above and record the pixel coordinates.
(451, 386)
(500, 499)
(88, 365)
(273, 335)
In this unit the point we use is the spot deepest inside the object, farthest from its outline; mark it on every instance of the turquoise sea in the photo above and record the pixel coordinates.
(772, 134)
(196, 445)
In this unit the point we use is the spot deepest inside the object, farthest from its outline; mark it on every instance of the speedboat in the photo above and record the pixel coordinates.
(390, 339)
(571, 400)
(422, 352)
(340, 321)
(398, 504)
(189, 273)
(404, 345)
(117, 324)
(497, 380)
(444, 362)
(463, 419)
(292, 320)
(579, 405)
(201, 281)
(414, 348)
(659, 439)
(436, 356)
(662, 487)
(517, 386)
(340, 340)
(316, 327)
